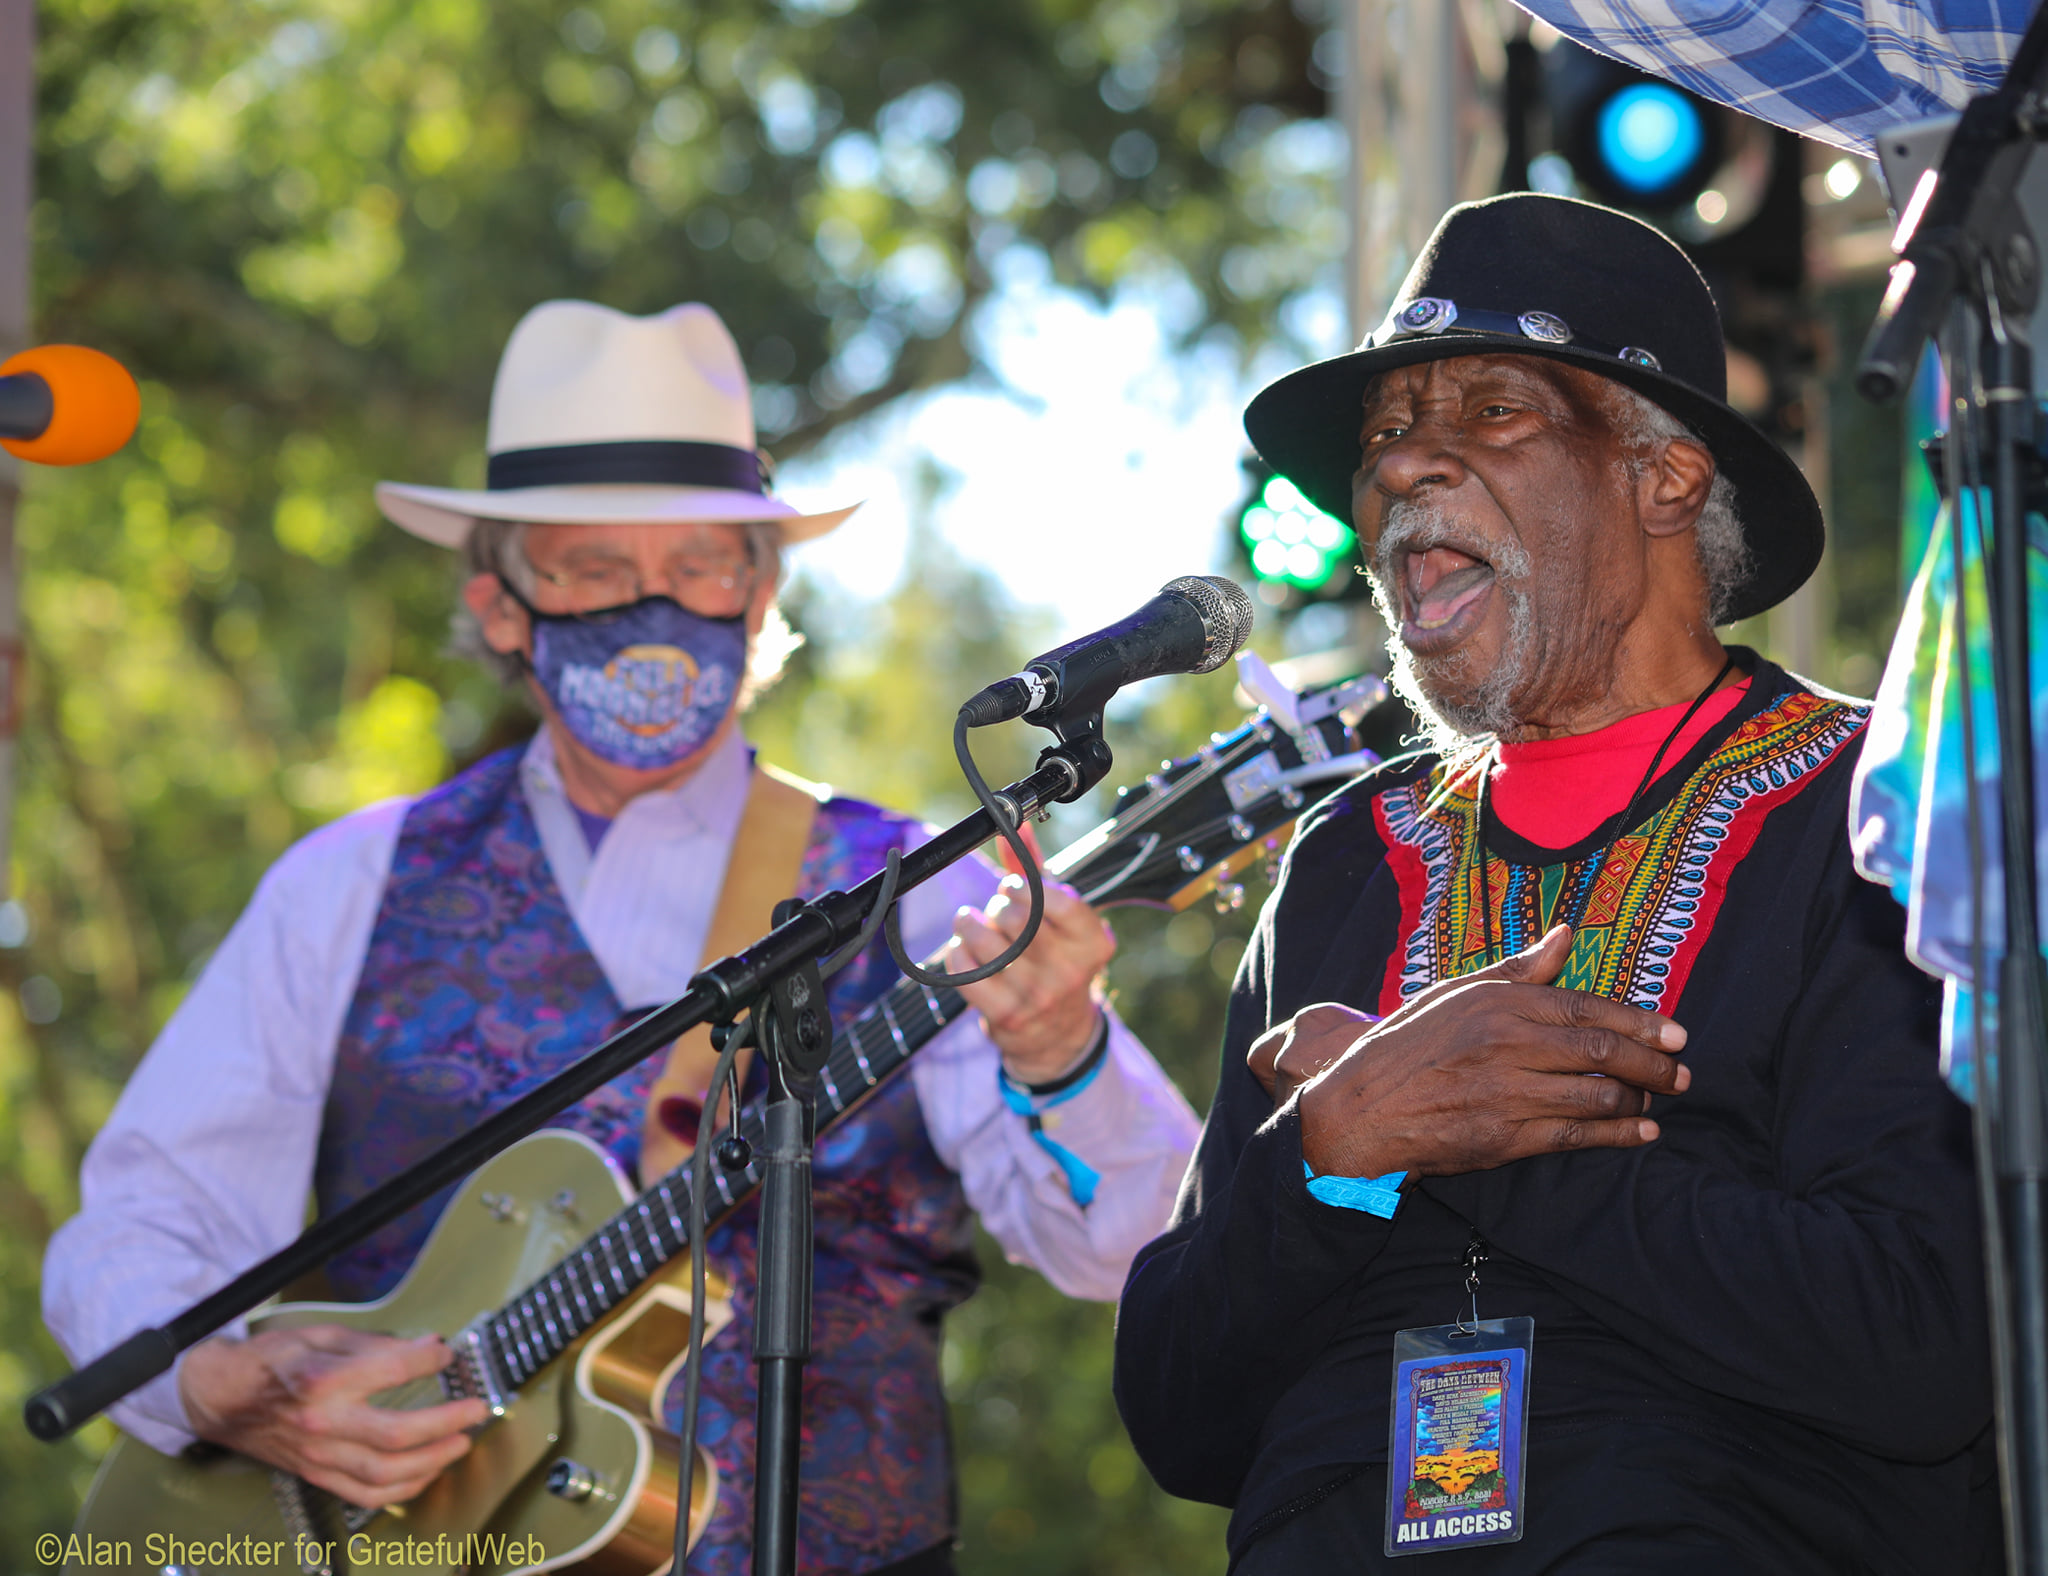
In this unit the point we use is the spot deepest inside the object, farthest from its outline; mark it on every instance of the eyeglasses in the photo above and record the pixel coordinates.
(712, 585)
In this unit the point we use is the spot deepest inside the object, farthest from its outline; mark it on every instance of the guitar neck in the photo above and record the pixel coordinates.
(538, 1325)
(1189, 825)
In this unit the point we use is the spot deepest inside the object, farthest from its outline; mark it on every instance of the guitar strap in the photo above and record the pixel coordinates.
(766, 861)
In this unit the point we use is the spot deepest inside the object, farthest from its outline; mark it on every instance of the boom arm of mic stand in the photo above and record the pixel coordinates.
(1970, 210)
(717, 993)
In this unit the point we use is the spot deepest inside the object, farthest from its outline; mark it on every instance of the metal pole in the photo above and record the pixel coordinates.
(782, 1319)
(1416, 117)
(17, 184)
(1416, 99)
(2022, 1132)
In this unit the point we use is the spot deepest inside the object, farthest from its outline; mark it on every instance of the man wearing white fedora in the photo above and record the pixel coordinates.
(415, 966)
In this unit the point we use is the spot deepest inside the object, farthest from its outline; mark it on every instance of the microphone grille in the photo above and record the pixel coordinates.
(1226, 614)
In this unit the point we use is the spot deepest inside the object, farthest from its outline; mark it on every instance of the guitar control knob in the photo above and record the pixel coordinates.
(1241, 829)
(571, 1480)
(1229, 896)
(1190, 861)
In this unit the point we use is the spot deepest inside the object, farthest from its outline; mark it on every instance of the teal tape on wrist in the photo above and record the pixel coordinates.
(1082, 1178)
(1379, 1196)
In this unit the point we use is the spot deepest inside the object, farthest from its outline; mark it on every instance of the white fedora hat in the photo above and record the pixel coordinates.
(599, 418)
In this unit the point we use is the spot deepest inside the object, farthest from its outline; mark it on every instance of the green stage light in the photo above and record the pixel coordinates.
(1290, 540)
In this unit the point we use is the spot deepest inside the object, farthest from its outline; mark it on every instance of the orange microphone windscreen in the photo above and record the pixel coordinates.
(96, 405)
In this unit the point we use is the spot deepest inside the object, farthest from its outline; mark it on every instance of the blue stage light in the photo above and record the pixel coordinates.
(1649, 136)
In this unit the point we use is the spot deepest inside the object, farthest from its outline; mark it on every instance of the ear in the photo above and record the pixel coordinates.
(1674, 488)
(502, 620)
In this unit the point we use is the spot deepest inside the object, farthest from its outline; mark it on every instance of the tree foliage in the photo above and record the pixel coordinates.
(309, 226)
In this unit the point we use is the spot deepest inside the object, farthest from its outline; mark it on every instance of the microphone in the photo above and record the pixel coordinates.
(66, 405)
(1194, 625)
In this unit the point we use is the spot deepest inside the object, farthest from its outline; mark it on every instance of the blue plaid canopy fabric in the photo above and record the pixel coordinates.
(1837, 70)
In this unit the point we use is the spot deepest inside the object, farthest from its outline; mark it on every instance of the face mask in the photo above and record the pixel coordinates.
(643, 685)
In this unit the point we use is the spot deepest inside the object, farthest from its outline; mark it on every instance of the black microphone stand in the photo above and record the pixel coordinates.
(796, 1038)
(1971, 262)
(718, 994)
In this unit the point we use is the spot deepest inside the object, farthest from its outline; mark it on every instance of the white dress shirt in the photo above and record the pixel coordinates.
(205, 1166)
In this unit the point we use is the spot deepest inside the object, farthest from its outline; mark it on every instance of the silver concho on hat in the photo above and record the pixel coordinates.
(1426, 315)
(1636, 356)
(1545, 326)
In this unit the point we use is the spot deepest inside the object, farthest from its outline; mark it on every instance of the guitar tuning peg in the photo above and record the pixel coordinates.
(1229, 896)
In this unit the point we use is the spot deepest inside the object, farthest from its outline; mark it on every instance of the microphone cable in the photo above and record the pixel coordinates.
(1025, 862)
(884, 917)
(700, 1182)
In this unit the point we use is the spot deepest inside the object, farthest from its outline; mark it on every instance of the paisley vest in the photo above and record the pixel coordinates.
(477, 986)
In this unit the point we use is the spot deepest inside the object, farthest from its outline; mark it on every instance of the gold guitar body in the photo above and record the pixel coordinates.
(590, 1419)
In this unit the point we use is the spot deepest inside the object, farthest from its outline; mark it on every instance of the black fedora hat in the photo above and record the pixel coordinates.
(1535, 275)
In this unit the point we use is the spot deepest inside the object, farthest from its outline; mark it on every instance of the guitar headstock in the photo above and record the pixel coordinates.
(1195, 823)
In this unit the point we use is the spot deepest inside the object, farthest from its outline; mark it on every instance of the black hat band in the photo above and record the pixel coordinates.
(659, 462)
(1429, 317)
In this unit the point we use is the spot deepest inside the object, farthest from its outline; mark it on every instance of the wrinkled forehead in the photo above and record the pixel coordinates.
(1530, 376)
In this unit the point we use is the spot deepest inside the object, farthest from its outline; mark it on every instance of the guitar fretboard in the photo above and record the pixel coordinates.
(538, 1325)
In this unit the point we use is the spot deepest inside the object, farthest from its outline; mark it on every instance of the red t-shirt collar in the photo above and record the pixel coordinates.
(1556, 792)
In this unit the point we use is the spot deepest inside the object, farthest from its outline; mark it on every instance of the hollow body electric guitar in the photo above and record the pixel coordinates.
(571, 1334)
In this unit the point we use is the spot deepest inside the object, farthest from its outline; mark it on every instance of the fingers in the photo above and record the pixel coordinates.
(1556, 1137)
(1072, 947)
(1265, 1053)
(1538, 1095)
(370, 1478)
(398, 1430)
(1066, 912)
(1580, 1009)
(1537, 964)
(1041, 1011)
(331, 1391)
(1068, 921)
(302, 1399)
(1288, 1055)
(358, 1363)
(1591, 1034)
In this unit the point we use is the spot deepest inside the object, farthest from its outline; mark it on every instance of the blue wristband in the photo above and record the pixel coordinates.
(1082, 1178)
(1379, 1196)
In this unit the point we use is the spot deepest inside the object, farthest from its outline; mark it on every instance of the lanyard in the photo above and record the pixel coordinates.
(1584, 894)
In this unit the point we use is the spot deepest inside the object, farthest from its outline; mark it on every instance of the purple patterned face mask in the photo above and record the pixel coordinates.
(644, 685)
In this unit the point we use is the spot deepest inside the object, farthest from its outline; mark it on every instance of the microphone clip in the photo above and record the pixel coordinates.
(1081, 749)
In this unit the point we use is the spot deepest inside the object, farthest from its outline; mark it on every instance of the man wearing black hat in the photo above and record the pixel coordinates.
(1580, 1194)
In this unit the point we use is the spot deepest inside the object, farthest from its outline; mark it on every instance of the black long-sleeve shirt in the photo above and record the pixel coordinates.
(1788, 1280)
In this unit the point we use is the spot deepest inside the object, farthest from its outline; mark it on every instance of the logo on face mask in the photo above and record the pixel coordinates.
(645, 688)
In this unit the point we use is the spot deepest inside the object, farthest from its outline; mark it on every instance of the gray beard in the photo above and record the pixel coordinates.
(1453, 708)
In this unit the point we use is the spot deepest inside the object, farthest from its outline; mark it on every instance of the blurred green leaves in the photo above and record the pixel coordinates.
(309, 225)
(314, 202)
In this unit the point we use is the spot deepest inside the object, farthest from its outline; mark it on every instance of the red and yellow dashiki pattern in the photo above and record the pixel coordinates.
(1653, 898)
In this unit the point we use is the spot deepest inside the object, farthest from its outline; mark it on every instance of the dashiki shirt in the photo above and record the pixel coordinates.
(1759, 1339)
(1646, 905)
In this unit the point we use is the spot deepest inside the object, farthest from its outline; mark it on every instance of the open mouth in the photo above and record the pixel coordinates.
(1444, 590)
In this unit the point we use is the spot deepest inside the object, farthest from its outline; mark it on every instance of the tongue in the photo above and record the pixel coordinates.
(1444, 579)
